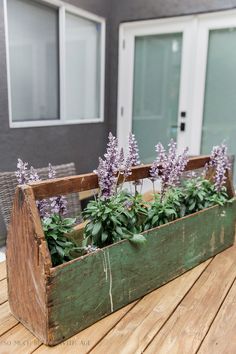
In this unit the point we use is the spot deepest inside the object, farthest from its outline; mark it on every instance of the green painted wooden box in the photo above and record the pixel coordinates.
(55, 303)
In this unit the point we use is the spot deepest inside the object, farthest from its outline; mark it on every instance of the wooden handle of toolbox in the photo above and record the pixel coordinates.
(80, 183)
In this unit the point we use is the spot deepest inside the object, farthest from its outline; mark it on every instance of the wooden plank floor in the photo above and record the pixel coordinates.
(195, 313)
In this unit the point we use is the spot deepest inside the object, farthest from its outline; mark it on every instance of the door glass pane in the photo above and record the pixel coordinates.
(219, 118)
(157, 67)
(34, 67)
(82, 68)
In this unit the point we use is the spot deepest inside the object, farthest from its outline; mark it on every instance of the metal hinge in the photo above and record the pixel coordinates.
(122, 111)
(123, 44)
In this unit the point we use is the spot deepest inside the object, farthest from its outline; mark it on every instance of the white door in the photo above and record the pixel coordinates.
(177, 78)
(155, 99)
(214, 107)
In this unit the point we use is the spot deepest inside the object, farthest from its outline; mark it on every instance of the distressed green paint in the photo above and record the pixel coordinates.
(92, 287)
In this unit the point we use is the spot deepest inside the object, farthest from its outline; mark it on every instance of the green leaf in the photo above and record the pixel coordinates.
(69, 221)
(96, 229)
(54, 236)
(104, 237)
(155, 219)
(170, 212)
(47, 221)
(147, 227)
(138, 239)
(192, 206)
(60, 251)
(119, 230)
(85, 242)
(182, 211)
(89, 226)
(114, 220)
(123, 219)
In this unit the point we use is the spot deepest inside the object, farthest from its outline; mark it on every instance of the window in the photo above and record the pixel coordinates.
(55, 64)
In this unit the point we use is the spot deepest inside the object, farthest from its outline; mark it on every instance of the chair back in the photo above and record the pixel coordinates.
(8, 183)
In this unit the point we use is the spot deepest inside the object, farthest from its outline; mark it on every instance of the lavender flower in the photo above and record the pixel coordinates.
(128, 165)
(128, 204)
(108, 168)
(112, 155)
(121, 159)
(192, 174)
(124, 164)
(25, 176)
(133, 151)
(22, 173)
(156, 165)
(133, 156)
(59, 203)
(220, 162)
(33, 175)
(169, 166)
(43, 204)
(51, 171)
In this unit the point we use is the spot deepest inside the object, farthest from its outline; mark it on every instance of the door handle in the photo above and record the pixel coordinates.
(182, 126)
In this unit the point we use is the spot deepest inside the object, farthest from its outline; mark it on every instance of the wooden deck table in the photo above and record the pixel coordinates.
(195, 313)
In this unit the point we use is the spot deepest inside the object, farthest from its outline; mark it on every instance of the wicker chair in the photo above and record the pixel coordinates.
(8, 183)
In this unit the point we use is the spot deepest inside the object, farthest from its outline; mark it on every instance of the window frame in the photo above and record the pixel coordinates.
(63, 8)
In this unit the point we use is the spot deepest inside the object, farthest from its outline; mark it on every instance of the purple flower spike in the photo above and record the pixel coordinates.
(51, 171)
(33, 176)
(59, 203)
(133, 156)
(22, 173)
(124, 164)
(42, 205)
(122, 161)
(160, 160)
(133, 151)
(128, 204)
(128, 165)
(108, 168)
(112, 154)
(220, 162)
(168, 166)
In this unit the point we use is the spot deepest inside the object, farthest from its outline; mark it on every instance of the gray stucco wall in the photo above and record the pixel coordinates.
(133, 10)
(79, 143)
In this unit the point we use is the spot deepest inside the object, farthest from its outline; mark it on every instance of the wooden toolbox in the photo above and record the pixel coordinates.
(55, 303)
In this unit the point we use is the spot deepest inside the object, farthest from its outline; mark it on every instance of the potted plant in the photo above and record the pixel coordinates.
(61, 282)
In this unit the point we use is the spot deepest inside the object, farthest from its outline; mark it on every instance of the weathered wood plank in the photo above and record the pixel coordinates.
(88, 194)
(27, 264)
(115, 275)
(136, 330)
(18, 340)
(185, 330)
(3, 272)
(222, 335)
(229, 184)
(84, 341)
(3, 291)
(73, 184)
(7, 321)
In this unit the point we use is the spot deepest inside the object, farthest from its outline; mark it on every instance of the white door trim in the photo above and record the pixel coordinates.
(127, 34)
(194, 59)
